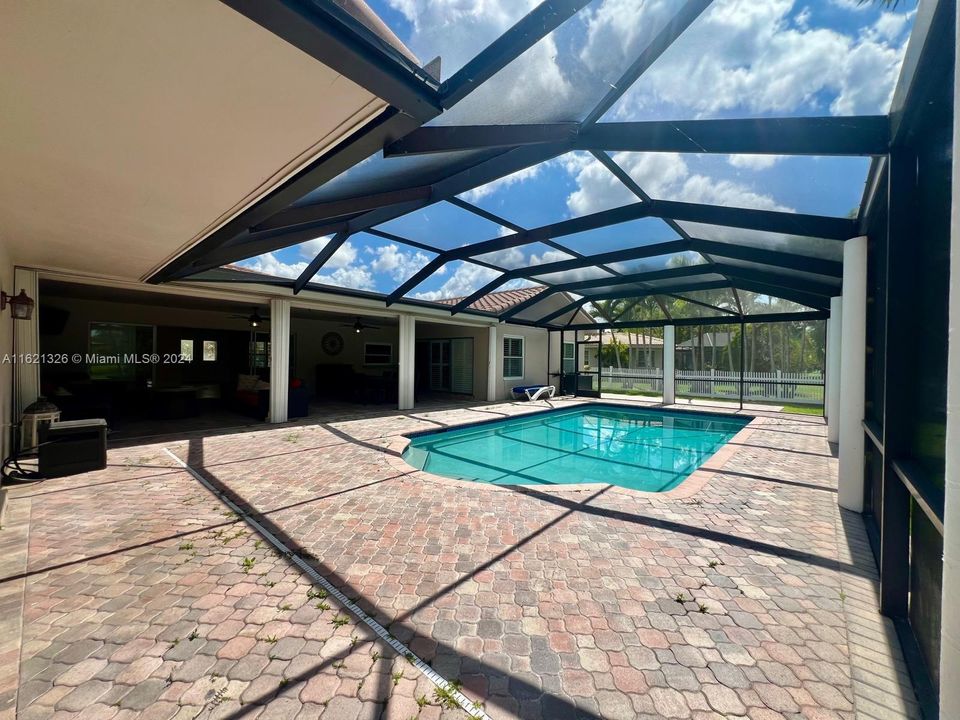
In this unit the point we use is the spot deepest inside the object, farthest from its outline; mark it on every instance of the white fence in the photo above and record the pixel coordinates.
(648, 380)
(793, 388)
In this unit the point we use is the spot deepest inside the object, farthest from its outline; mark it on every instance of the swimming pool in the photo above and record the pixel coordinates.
(643, 449)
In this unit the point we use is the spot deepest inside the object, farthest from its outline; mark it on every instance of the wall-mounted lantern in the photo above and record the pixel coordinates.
(21, 306)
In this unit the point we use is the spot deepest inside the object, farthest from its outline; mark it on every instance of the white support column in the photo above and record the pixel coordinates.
(669, 355)
(492, 352)
(407, 360)
(279, 359)
(26, 339)
(853, 351)
(834, 350)
(949, 617)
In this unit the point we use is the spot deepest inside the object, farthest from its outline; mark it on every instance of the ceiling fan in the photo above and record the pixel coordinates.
(254, 318)
(359, 326)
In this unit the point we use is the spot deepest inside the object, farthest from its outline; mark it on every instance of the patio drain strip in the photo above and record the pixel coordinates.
(468, 706)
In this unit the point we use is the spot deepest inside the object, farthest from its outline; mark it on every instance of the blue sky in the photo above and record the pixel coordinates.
(741, 58)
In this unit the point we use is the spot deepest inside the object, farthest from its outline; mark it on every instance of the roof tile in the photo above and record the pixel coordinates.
(497, 302)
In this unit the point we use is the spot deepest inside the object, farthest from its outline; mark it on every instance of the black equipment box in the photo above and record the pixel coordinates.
(72, 447)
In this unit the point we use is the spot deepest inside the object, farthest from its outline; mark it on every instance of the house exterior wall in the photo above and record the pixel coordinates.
(309, 332)
(6, 348)
(534, 358)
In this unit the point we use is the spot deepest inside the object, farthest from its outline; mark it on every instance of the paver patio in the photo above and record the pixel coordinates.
(142, 595)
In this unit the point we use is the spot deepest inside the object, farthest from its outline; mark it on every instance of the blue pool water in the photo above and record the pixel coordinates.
(652, 450)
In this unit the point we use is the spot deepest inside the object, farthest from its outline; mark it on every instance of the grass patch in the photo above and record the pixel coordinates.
(803, 409)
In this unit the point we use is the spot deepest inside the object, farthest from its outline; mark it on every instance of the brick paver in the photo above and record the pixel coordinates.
(144, 596)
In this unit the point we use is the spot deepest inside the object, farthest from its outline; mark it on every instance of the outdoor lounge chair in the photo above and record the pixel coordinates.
(533, 392)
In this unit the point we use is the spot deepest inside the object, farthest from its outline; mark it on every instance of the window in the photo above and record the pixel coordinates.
(569, 365)
(209, 351)
(112, 346)
(260, 351)
(512, 358)
(186, 350)
(377, 353)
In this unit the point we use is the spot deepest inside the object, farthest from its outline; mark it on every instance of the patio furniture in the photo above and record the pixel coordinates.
(172, 403)
(255, 401)
(534, 392)
(342, 382)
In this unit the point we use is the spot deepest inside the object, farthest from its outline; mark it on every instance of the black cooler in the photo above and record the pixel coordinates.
(72, 447)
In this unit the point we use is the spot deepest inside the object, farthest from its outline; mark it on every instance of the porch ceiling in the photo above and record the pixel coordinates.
(131, 130)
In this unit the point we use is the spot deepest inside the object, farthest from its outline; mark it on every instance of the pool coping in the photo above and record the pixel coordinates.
(688, 487)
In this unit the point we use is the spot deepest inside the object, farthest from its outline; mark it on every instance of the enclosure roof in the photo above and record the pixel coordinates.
(643, 248)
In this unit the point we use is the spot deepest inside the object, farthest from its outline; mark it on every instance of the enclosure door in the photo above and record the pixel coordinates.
(568, 368)
(588, 368)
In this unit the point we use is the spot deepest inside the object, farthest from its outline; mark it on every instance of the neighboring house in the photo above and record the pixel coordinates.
(703, 344)
(707, 340)
(643, 350)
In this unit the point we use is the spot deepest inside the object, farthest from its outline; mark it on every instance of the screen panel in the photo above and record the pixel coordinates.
(635, 233)
(795, 244)
(444, 226)
(524, 256)
(567, 72)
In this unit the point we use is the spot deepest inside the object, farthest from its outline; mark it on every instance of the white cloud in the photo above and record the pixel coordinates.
(856, 5)
(508, 258)
(740, 55)
(341, 263)
(270, 264)
(618, 31)
(457, 30)
(516, 257)
(345, 255)
(754, 162)
(869, 73)
(661, 175)
(549, 256)
(890, 26)
(465, 279)
(478, 193)
(357, 277)
(751, 56)
(398, 264)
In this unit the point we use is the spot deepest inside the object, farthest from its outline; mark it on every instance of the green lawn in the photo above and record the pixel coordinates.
(804, 409)
(727, 391)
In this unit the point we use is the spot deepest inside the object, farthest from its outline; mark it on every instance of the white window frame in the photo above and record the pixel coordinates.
(504, 356)
(187, 358)
(389, 360)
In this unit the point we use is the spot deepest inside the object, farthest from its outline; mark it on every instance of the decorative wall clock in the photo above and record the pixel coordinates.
(332, 343)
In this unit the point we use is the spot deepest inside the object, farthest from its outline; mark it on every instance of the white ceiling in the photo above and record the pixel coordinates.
(130, 130)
